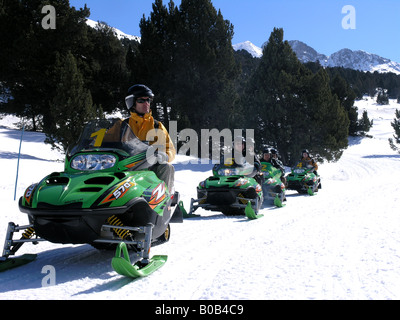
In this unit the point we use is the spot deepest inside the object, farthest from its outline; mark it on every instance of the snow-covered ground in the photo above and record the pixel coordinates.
(343, 243)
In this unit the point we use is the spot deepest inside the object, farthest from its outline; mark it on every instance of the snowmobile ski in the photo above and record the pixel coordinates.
(250, 212)
(278, 202)
(11, 263)
(121, 263)
(184, 212)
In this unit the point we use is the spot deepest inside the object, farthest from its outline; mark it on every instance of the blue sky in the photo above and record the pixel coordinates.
(318, 23)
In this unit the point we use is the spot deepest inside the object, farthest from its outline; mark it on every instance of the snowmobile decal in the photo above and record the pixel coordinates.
(158, 195)
(241, 182)
(137, 159)
(99, 137)
(29, 192)
(119, 191)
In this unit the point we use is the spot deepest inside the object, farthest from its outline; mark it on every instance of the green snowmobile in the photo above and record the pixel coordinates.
(303, 180)
(274, 189)
(106, 197)
(232, 190)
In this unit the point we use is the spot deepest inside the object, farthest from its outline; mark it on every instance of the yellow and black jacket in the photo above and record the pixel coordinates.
(146, 128)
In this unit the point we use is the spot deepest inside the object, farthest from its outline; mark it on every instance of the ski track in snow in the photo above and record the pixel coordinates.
(341, 244)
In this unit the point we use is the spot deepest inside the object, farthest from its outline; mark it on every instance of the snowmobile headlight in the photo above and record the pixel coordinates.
(227, 172)
(93, 162)
(298, 170)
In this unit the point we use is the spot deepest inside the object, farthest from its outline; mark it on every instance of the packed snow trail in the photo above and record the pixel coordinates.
(342, 243)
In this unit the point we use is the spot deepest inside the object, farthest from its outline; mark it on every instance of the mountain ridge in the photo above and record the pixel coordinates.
(346, 58)
(357, 60)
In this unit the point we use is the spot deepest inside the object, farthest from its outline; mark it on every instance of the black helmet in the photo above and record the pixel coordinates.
(305, 151)
(266, 150)
(274, 151)
(136, 91)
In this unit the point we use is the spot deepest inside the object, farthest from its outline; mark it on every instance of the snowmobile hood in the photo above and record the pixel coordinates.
(88, 190)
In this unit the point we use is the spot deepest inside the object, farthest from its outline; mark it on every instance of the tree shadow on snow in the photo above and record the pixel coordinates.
(28, 136)
(380, 156)
(14, 155)
(355, 140)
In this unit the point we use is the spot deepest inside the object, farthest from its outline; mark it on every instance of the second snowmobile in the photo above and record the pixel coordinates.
(232, 190)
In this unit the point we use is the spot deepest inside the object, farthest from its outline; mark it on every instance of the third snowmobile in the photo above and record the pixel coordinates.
(273, 188)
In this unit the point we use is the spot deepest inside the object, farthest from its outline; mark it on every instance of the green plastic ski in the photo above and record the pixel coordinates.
(11, 263)
(250, 212)
(190, 214)
(278, 202)
(123, 266)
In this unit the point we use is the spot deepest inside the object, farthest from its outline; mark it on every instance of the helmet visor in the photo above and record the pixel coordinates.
(129, 101)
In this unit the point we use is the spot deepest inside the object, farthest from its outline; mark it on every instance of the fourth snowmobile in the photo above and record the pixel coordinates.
(303, 180)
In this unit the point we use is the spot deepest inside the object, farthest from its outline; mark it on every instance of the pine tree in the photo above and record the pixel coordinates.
(396, 126)
(365, 124)
(29, 52)
(71, 107)
(346, 97)
(293, 108)
(329, 120)
(274, 98)
(186, 56)
(382, 98)
(105, 71)
(156, 54)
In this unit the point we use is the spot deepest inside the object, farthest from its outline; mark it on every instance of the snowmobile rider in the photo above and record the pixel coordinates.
(239, 144)
(307, 161)
(271, 156)
(141, 121)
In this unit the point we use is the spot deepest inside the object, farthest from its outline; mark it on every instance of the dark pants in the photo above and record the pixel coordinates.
(165, 172)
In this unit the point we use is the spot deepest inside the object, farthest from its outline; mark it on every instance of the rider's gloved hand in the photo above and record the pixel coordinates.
(162, 157)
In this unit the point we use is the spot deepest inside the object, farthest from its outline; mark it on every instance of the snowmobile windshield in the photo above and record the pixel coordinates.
(245, 169)
(108, 134)
(301, 167)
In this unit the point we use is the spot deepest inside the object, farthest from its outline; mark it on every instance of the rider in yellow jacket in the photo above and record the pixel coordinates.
(146, 128)
(307, 161)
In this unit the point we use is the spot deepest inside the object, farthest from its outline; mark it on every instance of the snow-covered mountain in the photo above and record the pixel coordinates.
(119, 33)
(255, 51)
(357, 60)
(361, 60)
